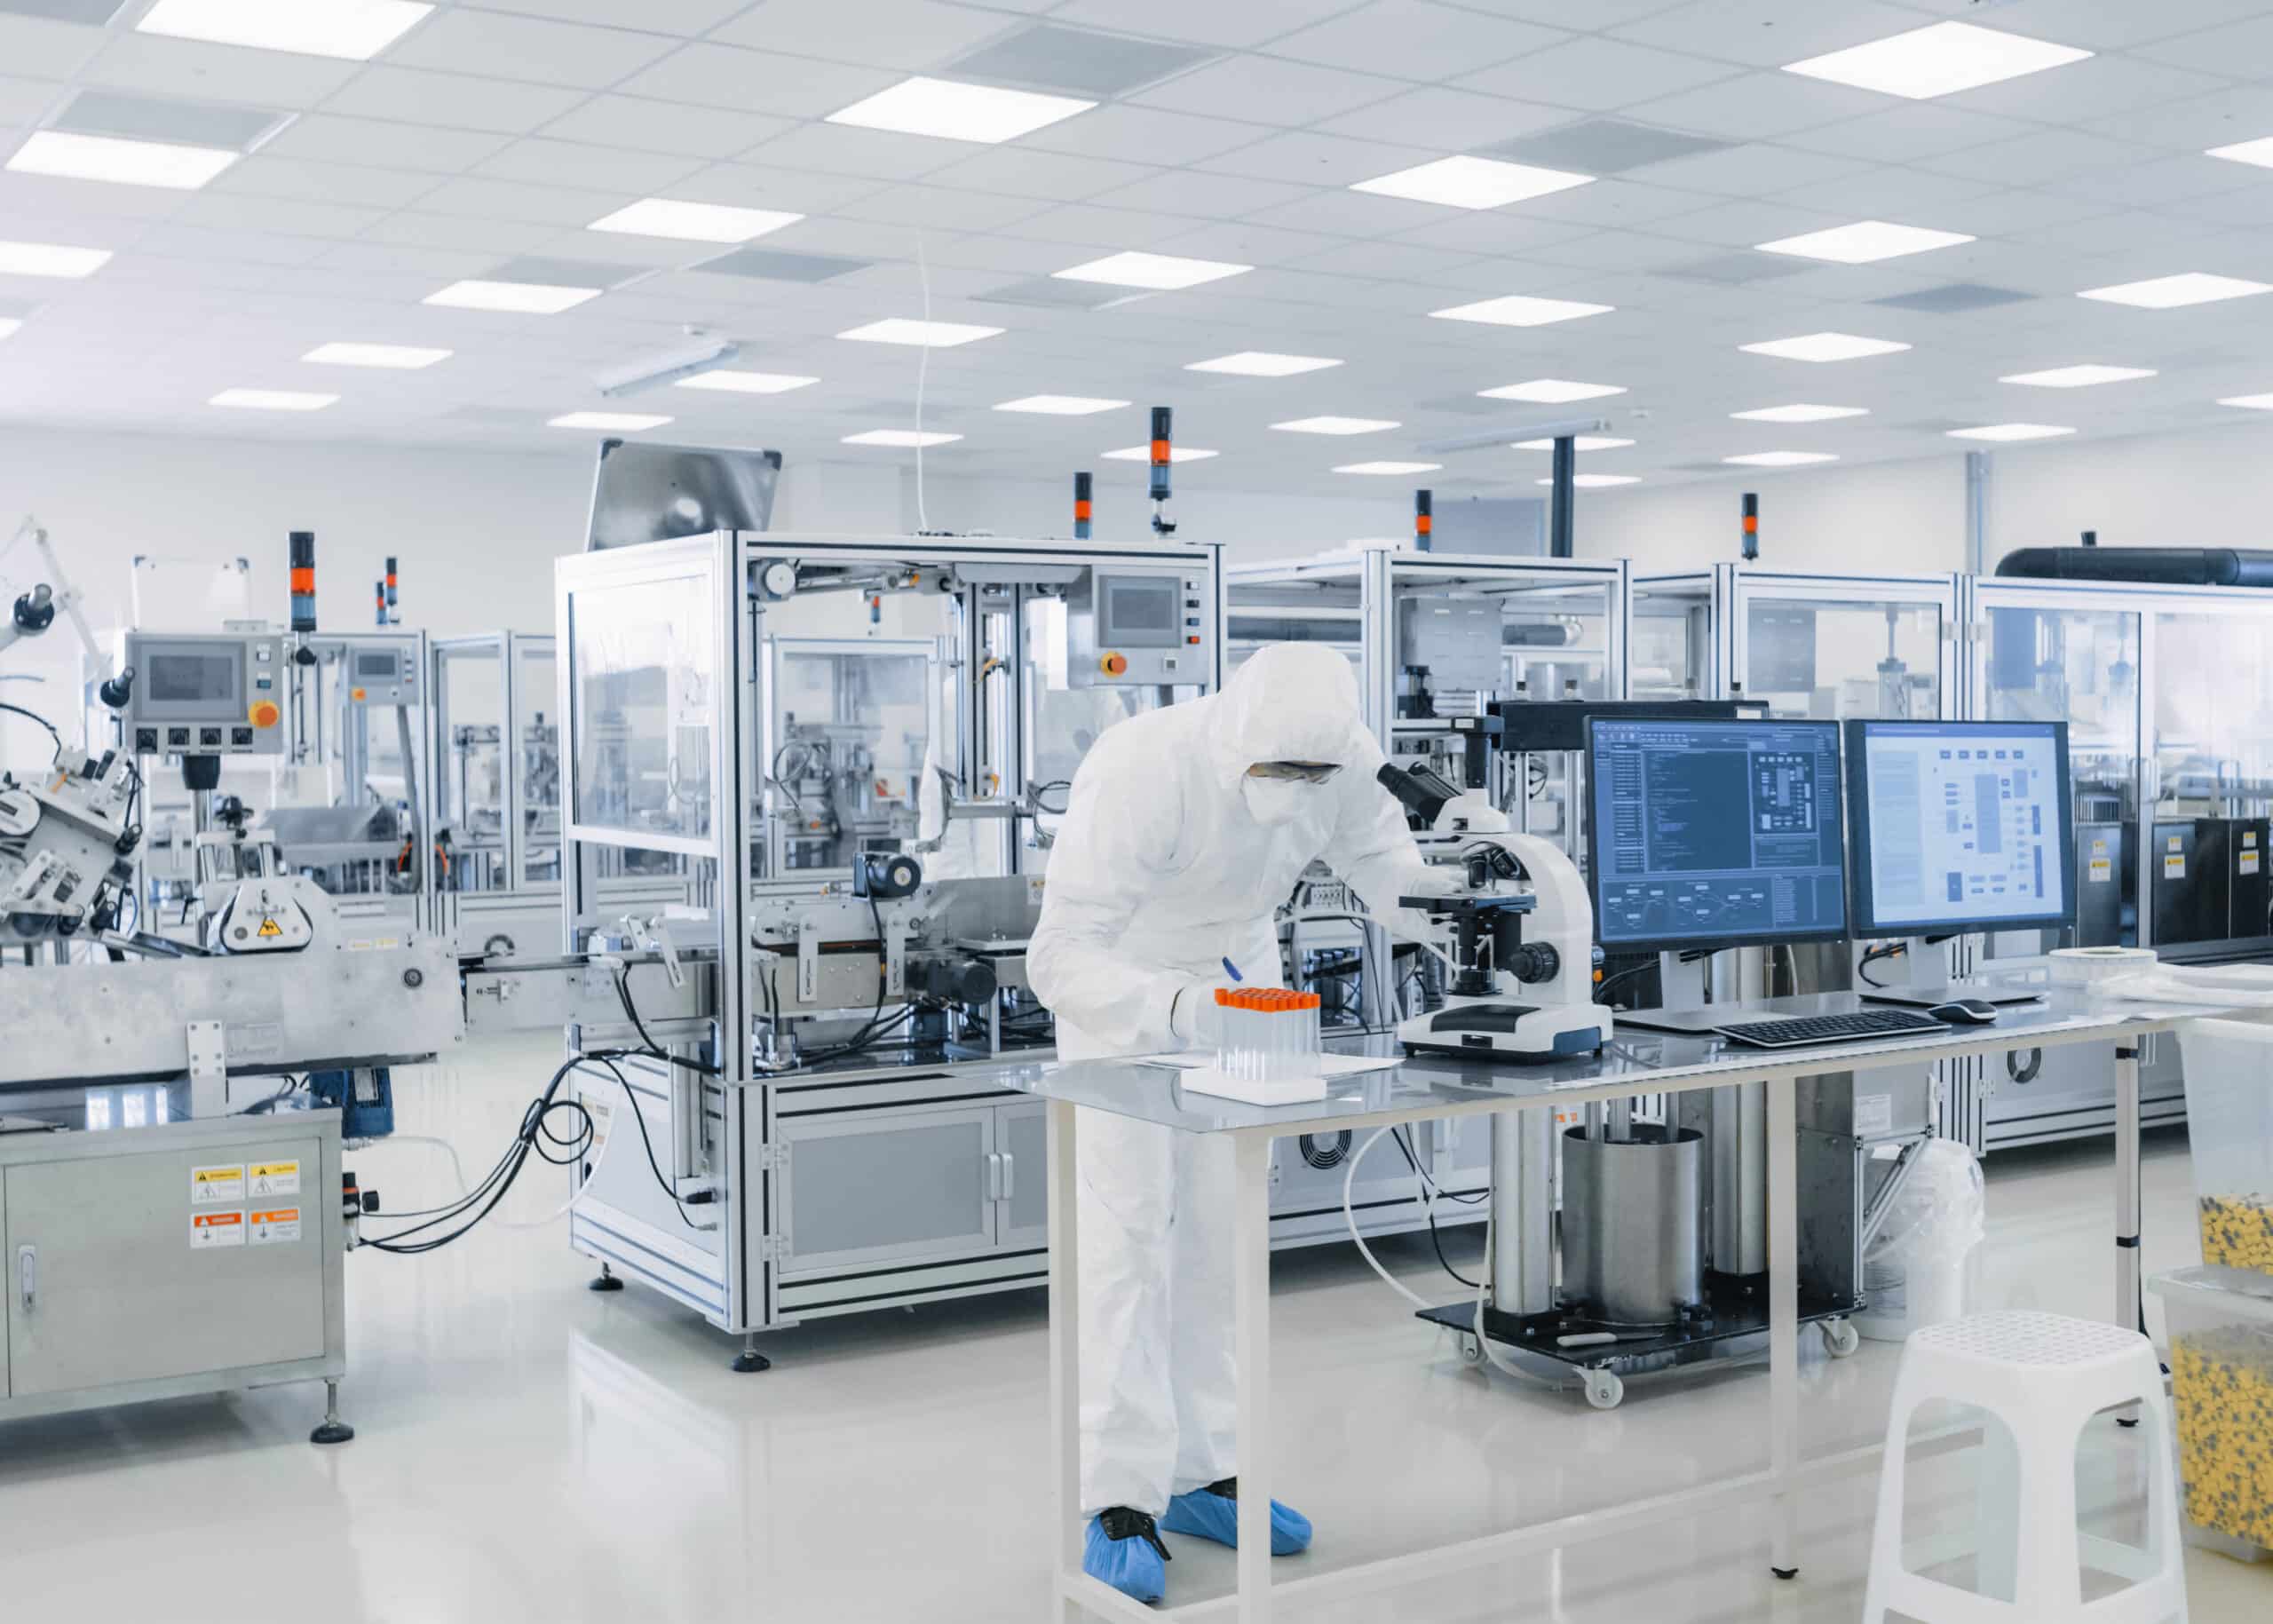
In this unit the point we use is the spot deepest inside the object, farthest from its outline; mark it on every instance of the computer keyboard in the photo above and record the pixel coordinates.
(1803, 1032)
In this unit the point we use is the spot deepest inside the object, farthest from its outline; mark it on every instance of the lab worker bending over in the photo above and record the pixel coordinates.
(1186, 829)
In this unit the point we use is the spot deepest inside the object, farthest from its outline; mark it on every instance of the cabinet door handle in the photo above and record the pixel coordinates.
(28, 1277)
(1010, 1174)
(994, 1175)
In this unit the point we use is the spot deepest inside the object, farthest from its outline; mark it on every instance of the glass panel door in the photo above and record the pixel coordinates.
(537, 766)
(471, 794)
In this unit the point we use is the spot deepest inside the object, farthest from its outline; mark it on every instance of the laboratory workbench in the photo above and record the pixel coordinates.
(1426, 1087)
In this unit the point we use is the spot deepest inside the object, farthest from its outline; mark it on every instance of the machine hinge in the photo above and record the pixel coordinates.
(773, 1158)
(770, 1249)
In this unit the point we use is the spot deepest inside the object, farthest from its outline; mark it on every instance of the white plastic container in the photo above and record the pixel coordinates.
(2229, 1124)
(2221, 1324)
(1923, 1267)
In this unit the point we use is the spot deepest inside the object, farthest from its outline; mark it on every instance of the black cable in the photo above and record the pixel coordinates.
(623, 995)
(640, 1117)
(34, 716)
(1875, 955)
(1429, 1208)
(260, 1107)
(1627, 974)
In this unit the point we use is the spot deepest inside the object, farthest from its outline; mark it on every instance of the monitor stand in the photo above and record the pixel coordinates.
(1930, 983)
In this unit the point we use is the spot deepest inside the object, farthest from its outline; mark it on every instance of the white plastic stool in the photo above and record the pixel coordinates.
(2043, 1375)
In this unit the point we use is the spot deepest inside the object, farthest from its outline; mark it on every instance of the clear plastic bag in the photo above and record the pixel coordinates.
(1918, 1269)
(2229, 1120)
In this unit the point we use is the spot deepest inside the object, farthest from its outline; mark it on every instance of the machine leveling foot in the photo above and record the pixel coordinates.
(749, 1360)
(607, 1282)
(1785, 1573)
(333, 1430)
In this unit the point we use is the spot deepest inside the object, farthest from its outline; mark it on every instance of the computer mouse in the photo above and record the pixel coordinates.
(1964, 1012)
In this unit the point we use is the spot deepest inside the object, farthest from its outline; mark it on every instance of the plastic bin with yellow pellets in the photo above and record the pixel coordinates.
(2229, 1124)
(2220, 1323)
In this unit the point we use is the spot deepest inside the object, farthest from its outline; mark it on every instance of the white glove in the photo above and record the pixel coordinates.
(1434, 879)
(1195, 1018)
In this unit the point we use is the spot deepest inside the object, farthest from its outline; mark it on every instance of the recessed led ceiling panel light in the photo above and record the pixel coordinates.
(1335, 425)
(2078, 377)
(2256, 403)
(395, 357)
(1596, 482)
(1862, 242)
(50, 259)
(1938, 59)
(1061, 406)
(1160, 273)
(665, 217)
(1579, 442)
(2011, 431)
(1824, 346)
(523, 299)
(2259, 152)
(1802, 414)
(1551, 391)
(1520, 310)
(1389, 468)
(901, 329)
(1780, 459)
(745, 382)
(1263, 363)
(2171, 292)
(958, 111)
(352, 30)
(1143, 454)
(272, 400)
(625, 423)
(133, 163)
(1471, 183)
(917, 438)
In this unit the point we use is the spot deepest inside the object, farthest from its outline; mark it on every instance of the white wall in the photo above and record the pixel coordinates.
(2210, 487)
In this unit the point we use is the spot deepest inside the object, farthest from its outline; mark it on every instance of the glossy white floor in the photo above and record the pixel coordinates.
(529, 1450)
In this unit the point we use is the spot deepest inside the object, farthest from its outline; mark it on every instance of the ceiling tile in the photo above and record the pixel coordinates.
(1305, 157)
(1205, 22)
(1147, 135)
(2240, 114)
(641, 125)
(2216, 50)
(2149, 186)
(39, 49)
(1754, 106)
(216, 73)
(756, 82)
(508, 200)
(1766, 33)
(452, 231)
(1074, 61)
(1222, 197)
(2106, 25)
(1245, 243)
(331, 138)
(293, 216)
(747, 186)
(913, 35)
(1599, 13)
(1020, 170)
(1412, 39)
(1494, 231)
(2086, 91)
(24, 101)
(1753, 171)
(940, 208)
(1888, 193)
(1447, 121)
(1339, 212)
(2041, 156)
(263, 176)
(1908, 134)
(417, 97)
(682, 16)
(172, 241)
(528, 48)
(540, 160)
(1273, 91)
(1088, 224)
(1595, 74)
(838, 149)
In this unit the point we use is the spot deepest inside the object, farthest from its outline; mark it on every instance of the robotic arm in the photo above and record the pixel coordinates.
(35, 610)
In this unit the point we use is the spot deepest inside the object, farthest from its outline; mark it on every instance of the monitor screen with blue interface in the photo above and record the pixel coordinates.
(1961, 826)
(1710, 833)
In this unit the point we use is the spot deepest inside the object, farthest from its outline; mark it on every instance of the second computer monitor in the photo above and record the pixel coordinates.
(1961, 826)
(1714, 833)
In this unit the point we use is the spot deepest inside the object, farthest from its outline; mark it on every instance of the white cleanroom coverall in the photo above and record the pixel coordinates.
(1170, 859)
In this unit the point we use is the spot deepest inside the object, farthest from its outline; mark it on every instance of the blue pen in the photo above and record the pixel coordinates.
(1232, 970)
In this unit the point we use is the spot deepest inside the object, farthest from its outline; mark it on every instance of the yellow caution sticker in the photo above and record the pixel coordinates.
(269, 927)
(2101, 871)
(2249, 837)
(210, 1231)
(2250, 861)
(2174, 867)
(275, 1178)
(218, 1186)
(275, 1228)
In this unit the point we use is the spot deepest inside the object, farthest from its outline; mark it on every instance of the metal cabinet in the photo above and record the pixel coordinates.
(1022, 1135)
(898, 1186)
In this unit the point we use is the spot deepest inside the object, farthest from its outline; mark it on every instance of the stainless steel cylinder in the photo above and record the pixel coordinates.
(1633, 1240)
(1740, 1179)
(1523, 1211)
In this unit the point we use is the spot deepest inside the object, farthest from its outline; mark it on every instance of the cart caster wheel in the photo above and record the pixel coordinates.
(1786, 1573)
(1841, 1338)
(1471, 1350)
(1604, 1389)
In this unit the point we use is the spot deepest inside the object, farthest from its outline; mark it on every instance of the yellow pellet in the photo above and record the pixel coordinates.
(2223, 1387)
(2238, 1231)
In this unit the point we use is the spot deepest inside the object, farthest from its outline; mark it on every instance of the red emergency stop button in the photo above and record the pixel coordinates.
(1114, 665)
(264, 713)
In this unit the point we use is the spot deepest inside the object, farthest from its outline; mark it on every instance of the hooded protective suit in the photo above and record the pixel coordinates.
(1172, 858)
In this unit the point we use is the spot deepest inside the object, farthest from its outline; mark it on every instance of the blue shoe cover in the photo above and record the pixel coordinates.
(1213, 1513)
(1125, 1551)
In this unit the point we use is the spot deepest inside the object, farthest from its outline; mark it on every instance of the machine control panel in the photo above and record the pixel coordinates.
(380, 675)
(206, 695)
(1141, 625)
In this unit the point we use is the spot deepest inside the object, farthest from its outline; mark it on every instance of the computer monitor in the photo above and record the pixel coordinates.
(1714, 833)
(1961, 826)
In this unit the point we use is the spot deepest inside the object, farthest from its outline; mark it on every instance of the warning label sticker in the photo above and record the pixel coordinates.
(2101, 871)
(2174, 867)
(275, 1228)
(208, 1230)
(269, 927)
(218, 1186)
(2250, 861)
(275, 1178)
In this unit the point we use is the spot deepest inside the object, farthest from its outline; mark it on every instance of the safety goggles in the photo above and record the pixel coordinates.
(1302, 771)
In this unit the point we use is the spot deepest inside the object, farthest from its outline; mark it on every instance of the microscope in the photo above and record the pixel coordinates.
(1508, 998)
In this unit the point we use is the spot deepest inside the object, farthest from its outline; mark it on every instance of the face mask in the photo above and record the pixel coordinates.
(1272, 801)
